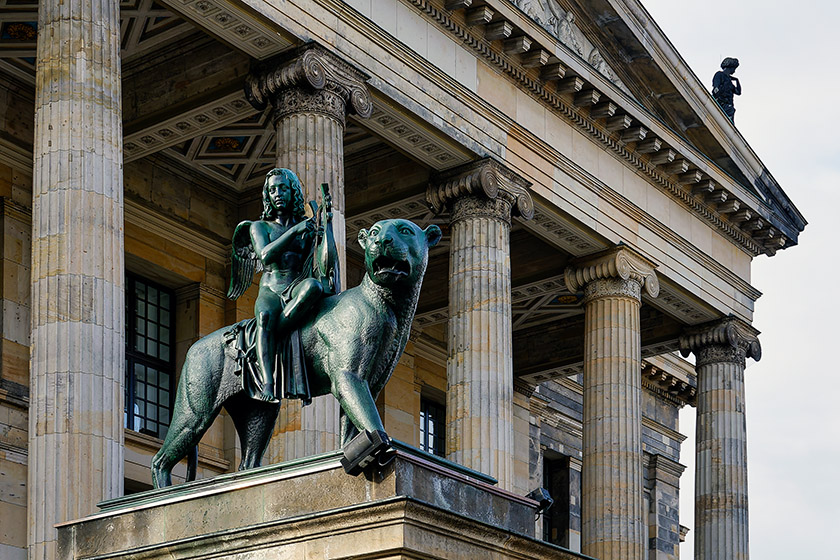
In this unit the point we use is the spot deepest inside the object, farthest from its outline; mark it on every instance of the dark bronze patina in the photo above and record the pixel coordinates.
(318, 340)
(725, 86)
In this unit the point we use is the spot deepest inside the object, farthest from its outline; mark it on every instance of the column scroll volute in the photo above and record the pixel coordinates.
(621, 262)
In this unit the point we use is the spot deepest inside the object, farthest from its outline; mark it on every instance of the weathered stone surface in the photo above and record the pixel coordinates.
(78, 344)
(417, 506)
(612, 509)
(721, 521)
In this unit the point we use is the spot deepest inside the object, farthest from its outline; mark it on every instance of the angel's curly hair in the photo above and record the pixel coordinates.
(289, 177)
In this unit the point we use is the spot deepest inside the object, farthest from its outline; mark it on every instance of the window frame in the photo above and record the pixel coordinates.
(427, 405)
(134, 357)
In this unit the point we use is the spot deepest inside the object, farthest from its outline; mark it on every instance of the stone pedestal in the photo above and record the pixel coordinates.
(77, 344)
(417, 507)
(721, 521)
(479, 368)
(311, 92)
(613, 493)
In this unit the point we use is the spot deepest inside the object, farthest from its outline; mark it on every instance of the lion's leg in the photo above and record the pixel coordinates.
(184, 433)
(348, 430)
(254, 423)
(356, 401)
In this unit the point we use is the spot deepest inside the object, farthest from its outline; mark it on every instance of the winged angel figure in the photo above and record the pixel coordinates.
(299, 265)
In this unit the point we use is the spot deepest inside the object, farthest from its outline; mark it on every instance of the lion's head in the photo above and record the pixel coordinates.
(397, 251)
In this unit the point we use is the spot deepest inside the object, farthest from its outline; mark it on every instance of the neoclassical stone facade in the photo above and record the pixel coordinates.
(591, 232)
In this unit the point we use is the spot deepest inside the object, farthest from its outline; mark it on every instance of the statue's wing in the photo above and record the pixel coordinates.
(243, 261)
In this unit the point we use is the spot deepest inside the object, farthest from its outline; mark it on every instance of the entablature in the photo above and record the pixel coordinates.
(591, 103)
(498, 33)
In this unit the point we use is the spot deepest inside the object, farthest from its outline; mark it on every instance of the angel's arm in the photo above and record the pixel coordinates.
(269, 251)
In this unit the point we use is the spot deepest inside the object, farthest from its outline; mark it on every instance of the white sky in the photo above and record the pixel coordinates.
(788, 113)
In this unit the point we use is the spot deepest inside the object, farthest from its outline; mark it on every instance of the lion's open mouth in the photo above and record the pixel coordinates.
(386, 265)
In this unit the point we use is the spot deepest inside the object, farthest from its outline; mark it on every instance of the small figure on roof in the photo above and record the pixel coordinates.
(725, 86)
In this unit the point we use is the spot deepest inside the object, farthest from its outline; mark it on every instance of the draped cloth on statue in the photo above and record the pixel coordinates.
(290, 364)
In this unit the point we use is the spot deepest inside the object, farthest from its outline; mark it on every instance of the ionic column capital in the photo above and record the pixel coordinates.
(728, 340)
(310, 69)
(485, 178)
(619, 263)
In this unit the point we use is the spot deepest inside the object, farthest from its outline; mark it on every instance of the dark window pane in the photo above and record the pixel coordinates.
(150, 344)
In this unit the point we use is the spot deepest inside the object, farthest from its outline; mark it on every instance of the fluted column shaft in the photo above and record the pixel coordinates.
(721, 518)
(311, 92)
(612, 512)
(479, 370)
(612, 505)
(77, 345)
(481, 197)
(310, 142)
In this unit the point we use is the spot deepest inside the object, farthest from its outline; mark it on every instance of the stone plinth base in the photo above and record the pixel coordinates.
(416, 507)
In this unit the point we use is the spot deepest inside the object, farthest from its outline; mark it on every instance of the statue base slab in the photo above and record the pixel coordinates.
(418, 506)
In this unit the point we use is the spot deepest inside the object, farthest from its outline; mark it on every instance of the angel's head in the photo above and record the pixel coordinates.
(277, 181)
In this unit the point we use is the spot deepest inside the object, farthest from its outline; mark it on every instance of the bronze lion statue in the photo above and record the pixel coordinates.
(351, 344)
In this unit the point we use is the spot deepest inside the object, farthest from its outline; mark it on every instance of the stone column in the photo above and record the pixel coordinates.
(78, 337)
(311, 92)
(612, 513)
(479, 368)
(721, 518)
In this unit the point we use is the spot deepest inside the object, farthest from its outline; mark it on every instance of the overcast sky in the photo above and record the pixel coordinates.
(788, 113)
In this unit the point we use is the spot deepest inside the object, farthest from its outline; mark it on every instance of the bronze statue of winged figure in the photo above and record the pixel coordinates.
(299, 263)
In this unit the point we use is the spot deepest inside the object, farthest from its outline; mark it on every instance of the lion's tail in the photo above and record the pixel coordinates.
(192, 463)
